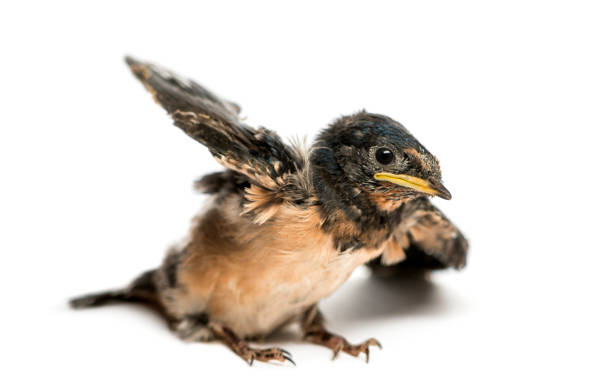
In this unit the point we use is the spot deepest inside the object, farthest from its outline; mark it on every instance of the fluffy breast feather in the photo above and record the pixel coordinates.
(255, 277)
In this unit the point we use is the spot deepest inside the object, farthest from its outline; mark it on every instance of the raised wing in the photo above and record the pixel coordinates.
(259, 154)
(425, 240)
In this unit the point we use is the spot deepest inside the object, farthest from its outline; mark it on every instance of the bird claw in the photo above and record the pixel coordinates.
(365, 347)
(287, 356)
(341, 344)
(268, 354)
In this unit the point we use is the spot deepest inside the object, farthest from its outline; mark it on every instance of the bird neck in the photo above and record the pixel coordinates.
(348, 212)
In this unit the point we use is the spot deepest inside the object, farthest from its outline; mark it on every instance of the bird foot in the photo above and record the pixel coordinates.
(337, 344)
(265, 355)
(246, 352)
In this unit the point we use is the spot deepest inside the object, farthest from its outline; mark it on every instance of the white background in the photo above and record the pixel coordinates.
(513, 97)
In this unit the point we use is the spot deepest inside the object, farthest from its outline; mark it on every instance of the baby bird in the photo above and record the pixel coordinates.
(287, 225)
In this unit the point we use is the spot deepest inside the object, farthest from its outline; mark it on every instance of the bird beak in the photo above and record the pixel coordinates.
(418, 184)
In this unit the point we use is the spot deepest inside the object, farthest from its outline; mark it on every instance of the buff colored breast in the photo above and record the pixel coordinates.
(254, 278)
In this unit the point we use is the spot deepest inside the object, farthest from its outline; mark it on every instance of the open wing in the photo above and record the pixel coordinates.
(425, 240)
(259, 154)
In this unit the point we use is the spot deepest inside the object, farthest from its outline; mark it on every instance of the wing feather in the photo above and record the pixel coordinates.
(271, 166)
(425, 240)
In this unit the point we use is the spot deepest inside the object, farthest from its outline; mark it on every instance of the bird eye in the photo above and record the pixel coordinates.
(384, 156)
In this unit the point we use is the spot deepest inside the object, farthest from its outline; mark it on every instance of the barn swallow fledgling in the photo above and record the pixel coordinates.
(287, 225)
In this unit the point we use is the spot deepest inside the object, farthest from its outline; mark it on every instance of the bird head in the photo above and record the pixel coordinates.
(376, 155)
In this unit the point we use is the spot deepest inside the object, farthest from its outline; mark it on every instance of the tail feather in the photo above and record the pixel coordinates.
(142, 289)
(99, 299)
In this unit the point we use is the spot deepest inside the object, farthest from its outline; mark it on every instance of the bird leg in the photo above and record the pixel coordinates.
(315, 332)
(244, 351)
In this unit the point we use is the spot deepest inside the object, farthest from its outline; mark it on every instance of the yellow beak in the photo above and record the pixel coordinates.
(415, 183)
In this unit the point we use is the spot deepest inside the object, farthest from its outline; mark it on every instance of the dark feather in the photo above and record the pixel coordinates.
(429, 239)
(257, 154)
(260, 154)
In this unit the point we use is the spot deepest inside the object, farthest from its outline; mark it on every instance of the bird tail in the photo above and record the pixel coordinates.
(141, 290)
